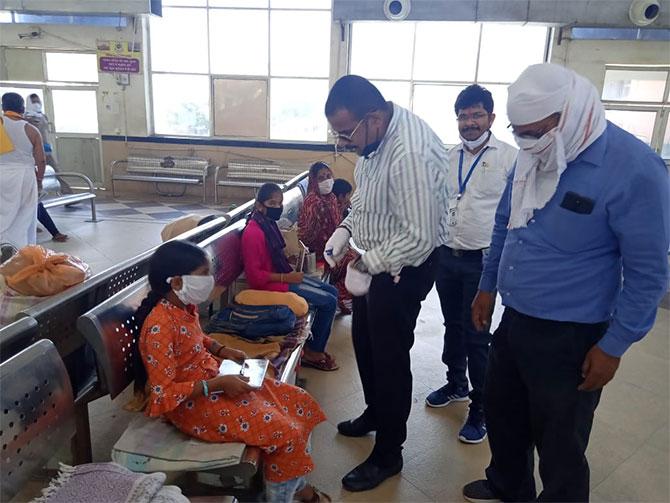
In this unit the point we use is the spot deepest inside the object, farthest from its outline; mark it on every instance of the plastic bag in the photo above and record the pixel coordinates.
(37, 271)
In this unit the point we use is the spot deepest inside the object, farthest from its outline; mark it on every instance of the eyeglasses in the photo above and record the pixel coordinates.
(475, 117)
(344, 135)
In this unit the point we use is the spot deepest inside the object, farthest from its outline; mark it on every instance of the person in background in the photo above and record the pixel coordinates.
(19, 181)
(35, 115)
(343, 190)
(266, 268)
(398, 218)
(476, 186)
(181, 366)
(579, 257)
(320, 214)
(45, 219)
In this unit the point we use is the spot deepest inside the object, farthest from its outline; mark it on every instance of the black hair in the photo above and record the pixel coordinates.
(355, 94)
(341, 187)
(12, 102)
(174, 258)
(316, 167)
(207, 219)
(473, 95)
(266, 191)
(34, 95)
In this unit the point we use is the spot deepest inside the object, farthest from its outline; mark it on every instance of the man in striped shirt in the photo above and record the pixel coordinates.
(399, 217)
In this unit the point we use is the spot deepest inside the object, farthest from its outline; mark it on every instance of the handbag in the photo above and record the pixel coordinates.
(253, 322)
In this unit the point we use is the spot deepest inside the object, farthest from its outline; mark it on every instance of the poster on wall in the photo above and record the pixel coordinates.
(116, 56)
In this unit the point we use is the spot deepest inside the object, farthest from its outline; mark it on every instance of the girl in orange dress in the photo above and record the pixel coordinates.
(181, 365)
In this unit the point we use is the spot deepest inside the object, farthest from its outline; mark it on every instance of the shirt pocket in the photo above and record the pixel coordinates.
(569, 231)
(492, 180)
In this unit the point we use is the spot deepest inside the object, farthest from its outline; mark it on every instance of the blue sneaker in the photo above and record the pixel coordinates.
(445, 395)
(474, 429)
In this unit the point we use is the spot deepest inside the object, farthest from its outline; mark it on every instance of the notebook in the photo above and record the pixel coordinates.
(253, 369)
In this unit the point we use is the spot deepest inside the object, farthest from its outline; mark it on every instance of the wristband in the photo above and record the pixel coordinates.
(205, 388)
(281, 277)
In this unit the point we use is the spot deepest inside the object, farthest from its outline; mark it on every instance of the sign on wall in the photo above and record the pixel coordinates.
(116, 56)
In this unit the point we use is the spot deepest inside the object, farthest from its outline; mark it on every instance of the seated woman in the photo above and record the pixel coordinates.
(320, 213)
(181, 365)
(267, 268)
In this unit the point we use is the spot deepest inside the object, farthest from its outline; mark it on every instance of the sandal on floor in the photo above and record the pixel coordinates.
(326, 364)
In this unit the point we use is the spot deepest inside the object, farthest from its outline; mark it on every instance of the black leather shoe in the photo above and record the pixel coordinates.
(368, 475)
(358, 427)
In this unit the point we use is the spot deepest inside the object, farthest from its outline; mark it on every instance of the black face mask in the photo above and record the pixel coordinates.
(274, 213)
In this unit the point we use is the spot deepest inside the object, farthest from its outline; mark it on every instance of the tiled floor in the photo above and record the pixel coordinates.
(629, 446)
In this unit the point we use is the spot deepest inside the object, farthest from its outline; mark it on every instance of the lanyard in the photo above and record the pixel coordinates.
(463, 183)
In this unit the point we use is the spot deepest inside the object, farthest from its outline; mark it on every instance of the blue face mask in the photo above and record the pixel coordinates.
(274, 213)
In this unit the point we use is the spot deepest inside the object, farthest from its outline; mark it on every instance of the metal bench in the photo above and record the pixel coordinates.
(37, 413)
(293, 199)
(252, 173)
(13, 337)
(173, 170)
(65, 199)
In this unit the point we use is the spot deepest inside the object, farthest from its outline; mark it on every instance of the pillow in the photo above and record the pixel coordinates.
(262, 298)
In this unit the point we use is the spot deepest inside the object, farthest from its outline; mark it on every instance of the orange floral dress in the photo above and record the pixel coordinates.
(278, 418)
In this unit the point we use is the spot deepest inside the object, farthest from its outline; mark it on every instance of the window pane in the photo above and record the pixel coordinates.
(72, 67)
(499, 128)
(300, 43)
(75, 111)
(181, 104)
(240, 108)
(239, 41)
(397, 92)
(626, 85)
(239, 3)
(456, 58)
(639, 124)
(665, 148)
(179, 41)
(394, 61)
(185, 3)
(435, 105)
(508, 49)
(297, 109)
(300, 4)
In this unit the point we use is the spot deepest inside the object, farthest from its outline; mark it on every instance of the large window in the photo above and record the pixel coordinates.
(424, 65)
(241, 68)
(636, 99)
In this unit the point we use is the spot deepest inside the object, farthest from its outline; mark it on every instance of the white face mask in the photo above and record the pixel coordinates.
(540, 147)
(194, 289)
(326, 187)
(473, 144)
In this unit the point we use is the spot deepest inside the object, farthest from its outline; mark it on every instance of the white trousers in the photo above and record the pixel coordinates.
(18, 205)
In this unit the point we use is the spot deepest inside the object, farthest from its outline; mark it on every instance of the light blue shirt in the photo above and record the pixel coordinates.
(611, 264)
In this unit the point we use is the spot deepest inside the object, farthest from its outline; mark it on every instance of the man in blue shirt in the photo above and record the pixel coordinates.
(579, 256)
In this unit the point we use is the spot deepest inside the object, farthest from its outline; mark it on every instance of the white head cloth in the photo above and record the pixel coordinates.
(540, 91)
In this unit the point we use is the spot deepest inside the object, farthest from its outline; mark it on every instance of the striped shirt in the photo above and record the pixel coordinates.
(399, 210)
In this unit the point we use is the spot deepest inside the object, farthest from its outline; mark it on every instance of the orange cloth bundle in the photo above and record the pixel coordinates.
(34, 270)
(294, 302)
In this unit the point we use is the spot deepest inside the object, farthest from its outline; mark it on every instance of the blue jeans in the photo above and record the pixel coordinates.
(464, 347)
(283, 492)
(323, 299)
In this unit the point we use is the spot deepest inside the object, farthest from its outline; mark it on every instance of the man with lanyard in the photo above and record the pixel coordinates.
(19, 182)
(483, 165)
(398, 216)
(579, 256)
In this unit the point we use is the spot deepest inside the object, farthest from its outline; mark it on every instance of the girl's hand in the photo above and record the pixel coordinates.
(232, 354)
(230, 385)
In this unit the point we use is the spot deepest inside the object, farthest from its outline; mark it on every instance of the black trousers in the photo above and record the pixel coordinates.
(531, 401)
(465, 348)
(45, 219)
(383, 334)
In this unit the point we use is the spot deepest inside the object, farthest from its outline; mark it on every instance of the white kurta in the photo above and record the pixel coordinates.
(18, 188)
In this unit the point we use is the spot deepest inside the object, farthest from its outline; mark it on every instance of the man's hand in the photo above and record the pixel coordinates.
(598, 369)
(482, 310)
(336, 246)
(39, 186)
